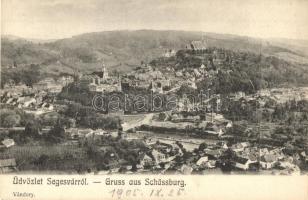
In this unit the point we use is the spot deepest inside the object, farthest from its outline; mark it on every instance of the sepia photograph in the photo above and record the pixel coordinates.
(108, 87)
(155, 88)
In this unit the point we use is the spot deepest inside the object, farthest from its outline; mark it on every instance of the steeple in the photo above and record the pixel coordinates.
(103, 66)
(104, 70)
(119, 83)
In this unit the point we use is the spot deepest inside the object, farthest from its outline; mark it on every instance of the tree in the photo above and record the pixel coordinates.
(56, 134)
(132, 159)
(202, 146)
(9, 118)
(304, 117)
(33, 129)
(42, 161)
(49, 119)
(120, 133)
(291, 118)
(226, 160)
(31, 75)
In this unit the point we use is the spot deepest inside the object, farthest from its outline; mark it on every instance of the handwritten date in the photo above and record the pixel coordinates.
(161, 192)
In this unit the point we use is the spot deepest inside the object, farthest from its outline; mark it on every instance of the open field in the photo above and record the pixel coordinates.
(69, 158)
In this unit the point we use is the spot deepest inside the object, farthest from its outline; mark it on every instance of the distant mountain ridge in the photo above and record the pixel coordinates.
(123, 50)
(34, 40)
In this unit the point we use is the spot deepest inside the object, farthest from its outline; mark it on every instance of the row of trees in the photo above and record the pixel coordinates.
(14, 117)
(18, 118)
(28, 75)
(33, 134)
(87, 117)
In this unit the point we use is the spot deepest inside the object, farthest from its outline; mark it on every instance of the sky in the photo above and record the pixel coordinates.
(54, 19)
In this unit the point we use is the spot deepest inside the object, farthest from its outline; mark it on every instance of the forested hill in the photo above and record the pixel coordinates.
(232, 71)
(123, 50)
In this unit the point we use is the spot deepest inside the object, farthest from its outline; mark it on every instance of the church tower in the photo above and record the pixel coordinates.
(119, 84)
(105, 72)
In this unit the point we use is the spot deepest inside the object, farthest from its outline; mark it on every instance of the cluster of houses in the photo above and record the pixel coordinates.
(160, 81)
(51, 85)
(38, 103)
(206, 123)
(148, 78)
(204, 71)
(159, 154)
(80, 133)
(282, 95)
(279, 95)
(38, 98)
(169, 80)
(161, 157)
(268, 159)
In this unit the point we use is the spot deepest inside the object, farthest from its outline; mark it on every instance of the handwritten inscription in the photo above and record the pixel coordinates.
(120, 193)
(148, 188)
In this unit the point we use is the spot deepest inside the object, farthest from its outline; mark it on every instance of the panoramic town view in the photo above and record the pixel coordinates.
(154, 102)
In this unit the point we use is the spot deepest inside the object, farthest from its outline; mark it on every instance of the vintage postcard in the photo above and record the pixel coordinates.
(154, 99)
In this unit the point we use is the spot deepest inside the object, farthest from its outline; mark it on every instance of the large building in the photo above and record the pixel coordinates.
(99, 81)
(197, 45)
